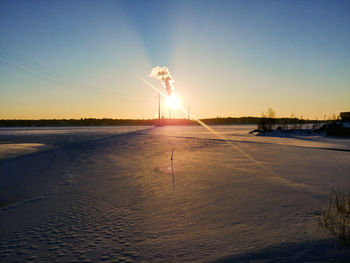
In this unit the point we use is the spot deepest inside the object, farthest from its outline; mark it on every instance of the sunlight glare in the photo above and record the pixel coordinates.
(172, 102)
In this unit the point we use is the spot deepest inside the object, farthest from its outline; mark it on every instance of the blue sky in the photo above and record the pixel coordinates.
(72, 59)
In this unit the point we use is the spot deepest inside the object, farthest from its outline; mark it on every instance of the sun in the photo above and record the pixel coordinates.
(172, 102)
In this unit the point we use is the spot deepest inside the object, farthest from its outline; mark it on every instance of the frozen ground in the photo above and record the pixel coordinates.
(107, 194)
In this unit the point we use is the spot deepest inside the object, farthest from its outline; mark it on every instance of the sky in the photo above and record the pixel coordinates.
(87, 59)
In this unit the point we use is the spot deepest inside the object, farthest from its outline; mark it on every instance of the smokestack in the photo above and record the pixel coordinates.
(158, 109)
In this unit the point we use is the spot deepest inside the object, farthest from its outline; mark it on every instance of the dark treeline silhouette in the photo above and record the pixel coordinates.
(256, 120)
(75, 122)
(134, 122)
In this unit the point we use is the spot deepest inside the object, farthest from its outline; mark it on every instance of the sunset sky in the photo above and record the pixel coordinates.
(73, 59)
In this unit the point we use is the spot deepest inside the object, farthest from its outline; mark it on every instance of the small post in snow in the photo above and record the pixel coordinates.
(172, 167)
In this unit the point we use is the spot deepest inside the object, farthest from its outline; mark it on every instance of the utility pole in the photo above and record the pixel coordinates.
(188, 111)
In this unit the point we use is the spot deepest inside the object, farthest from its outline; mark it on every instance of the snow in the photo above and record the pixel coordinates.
(11, 150)
(107, 194)
(240, 133)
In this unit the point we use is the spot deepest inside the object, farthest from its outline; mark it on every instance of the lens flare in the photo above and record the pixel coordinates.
(272, 175)
(173, 102)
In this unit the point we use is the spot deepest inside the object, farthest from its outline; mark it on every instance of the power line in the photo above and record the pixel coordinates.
(11, 59)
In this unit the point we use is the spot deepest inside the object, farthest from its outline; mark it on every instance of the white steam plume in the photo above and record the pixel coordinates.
(163, 74)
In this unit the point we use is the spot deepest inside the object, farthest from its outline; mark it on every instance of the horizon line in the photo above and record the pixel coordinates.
(149, 119)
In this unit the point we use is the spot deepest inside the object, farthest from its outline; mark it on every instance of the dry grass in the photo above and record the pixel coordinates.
(335, 216)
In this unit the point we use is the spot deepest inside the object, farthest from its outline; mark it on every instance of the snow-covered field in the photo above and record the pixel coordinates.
(108, 194)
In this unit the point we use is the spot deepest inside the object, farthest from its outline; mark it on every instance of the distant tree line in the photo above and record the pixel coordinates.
(75, 122)
(268, 121)
(134, 122)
